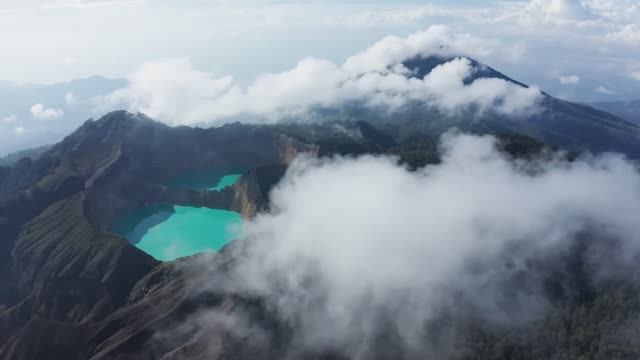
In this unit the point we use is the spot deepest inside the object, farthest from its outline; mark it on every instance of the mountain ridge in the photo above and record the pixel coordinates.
(75, 290)
(629, 110)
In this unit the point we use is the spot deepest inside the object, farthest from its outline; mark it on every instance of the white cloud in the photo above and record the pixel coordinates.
(548, 12)
(436, 40)
(10, 119)
(70, 99)
(604, 90)
(629, 34)
(635, 75)
(174, 92)
(382, 240)
(19, 130)
(569, 80)
(39, 111)
(564, 9)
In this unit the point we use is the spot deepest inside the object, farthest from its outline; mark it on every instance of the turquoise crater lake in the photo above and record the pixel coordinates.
(168, 232)
(214, 179)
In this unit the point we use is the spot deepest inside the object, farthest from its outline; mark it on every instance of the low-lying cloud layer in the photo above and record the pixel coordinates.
(174, 92)
(356, 248)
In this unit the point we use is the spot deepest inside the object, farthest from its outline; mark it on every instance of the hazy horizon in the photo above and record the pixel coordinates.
(156, 56)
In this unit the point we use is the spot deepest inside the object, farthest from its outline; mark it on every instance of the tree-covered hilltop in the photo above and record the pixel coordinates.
(33, 154)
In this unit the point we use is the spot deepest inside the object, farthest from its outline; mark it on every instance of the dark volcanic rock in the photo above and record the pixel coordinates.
(251, 193)
(72, 272)
(84, 293)
(62, 273)
(72, 290)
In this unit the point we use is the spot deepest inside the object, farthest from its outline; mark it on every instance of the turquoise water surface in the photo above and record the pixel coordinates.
(168, 232)
(213, 179)
(183, 231)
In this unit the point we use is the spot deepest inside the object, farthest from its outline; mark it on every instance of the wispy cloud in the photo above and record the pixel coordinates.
(604, 90)
(10, 119)
(569, 79)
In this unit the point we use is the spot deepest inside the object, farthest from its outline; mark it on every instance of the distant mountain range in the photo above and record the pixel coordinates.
(603, 127)
(628, 110)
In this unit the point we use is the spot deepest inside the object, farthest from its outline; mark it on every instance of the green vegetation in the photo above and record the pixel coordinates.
(605, 327)
(34, 154)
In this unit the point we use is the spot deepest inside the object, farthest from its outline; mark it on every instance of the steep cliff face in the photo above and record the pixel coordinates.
(71, 271)
(66, 280)
(248, 200)
(134, 174)
(66, 275)
(170, 313)
(251, 193)
(289, 149)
